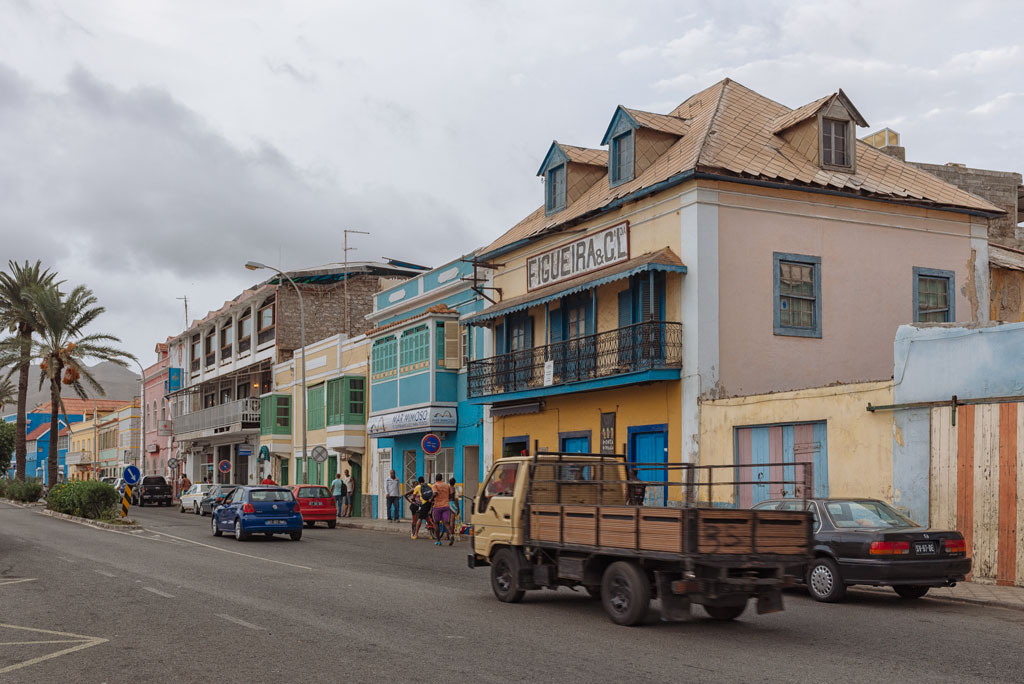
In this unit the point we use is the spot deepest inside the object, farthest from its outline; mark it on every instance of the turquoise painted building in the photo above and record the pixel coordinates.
(38, 436)
(418, 358)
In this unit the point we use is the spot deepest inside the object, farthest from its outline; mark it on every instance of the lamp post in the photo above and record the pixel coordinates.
(142, 410)
(253, 266)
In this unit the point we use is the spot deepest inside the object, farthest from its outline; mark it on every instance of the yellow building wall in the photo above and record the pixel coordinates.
(859, 441)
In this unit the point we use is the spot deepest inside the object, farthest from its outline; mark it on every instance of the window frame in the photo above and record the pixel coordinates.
(616, 175)
(850, 165)
(935, 273)
(384, 358)
(555, 191)
(414, 349)
(259, 318)
(226, 337)
(805, 260)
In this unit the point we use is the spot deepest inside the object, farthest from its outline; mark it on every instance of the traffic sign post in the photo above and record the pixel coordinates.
(431, 444)
(224, 466)
(131, 476)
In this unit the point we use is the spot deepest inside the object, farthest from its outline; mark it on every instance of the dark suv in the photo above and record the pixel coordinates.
(154, 489)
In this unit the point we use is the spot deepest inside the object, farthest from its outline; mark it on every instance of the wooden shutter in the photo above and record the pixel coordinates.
(555, 326)
(452, 345)
(499, 339)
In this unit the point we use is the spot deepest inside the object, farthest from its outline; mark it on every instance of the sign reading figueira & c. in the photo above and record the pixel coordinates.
(591, 253)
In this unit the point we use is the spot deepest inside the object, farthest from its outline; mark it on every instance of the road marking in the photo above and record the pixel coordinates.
(243, 623)
(158, 592)
(237, 553)
(16, 581)
(104, 573)
(81, 642)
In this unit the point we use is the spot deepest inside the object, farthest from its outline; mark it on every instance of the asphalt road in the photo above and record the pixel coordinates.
(175, 604)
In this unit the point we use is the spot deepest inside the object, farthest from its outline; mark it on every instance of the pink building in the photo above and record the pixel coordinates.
(159, 380)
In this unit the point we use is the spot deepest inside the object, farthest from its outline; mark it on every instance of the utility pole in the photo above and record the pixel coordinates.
(345, 248)
(185, 299)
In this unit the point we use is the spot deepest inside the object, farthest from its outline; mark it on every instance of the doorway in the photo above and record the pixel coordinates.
(648, 449)
(470, 478)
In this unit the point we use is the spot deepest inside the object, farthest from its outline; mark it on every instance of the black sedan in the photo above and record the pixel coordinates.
(215, 498)
(865, 541)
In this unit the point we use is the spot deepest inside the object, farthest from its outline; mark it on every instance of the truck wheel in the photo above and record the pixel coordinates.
(910, 591)
(505, 576)
(725, 612)
(824, 581)
(625, 593)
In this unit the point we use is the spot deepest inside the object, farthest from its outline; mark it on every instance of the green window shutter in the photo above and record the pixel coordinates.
(439, 344)
(355, 400)
(315, 408)
(266, 424)
(335, 401)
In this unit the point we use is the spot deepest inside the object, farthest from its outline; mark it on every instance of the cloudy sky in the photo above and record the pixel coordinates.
(148, 149)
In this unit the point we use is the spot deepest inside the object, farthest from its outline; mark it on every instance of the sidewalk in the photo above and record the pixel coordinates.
(974, 592)
(403, 527)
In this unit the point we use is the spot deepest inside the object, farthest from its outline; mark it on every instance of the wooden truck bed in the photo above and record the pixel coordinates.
(689, 531)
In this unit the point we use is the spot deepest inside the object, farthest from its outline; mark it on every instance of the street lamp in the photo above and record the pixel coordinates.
(255, 266)
(142, 411)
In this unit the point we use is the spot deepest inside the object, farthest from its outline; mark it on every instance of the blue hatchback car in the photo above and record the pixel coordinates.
(270, 510)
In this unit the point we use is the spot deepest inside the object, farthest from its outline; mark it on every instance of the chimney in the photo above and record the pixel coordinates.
(887, 141)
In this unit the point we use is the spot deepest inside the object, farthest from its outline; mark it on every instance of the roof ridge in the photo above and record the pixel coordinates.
(711, 122)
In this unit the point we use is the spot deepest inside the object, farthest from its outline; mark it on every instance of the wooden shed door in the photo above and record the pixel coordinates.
(766, 453)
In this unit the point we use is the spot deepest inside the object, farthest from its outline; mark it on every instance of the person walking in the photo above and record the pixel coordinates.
(419, 503)
(443, 494)
(184, 484)
(338, 491)
(350, 490)
(393, 492)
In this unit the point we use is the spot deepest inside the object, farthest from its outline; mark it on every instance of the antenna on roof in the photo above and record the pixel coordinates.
(345, 249)
(185, 299)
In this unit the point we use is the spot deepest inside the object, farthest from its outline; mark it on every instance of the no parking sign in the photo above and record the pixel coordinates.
(431, 443)
(224, 466)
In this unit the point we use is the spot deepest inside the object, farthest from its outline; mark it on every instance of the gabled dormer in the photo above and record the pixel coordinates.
(636, 139)
(825, 131)
(569, 171)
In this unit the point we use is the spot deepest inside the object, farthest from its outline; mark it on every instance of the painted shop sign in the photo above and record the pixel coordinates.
(591, 253)
(416, 420)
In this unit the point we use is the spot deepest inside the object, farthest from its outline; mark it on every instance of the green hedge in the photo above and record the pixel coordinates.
(27, 491)
(84, 498)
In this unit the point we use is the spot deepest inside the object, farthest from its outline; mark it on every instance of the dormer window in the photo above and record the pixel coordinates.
(555, 189)
(835, 142)
(621, 166)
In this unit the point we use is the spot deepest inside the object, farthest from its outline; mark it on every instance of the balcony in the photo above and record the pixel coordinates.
(589, 362)
(242, 414)
(78, 457)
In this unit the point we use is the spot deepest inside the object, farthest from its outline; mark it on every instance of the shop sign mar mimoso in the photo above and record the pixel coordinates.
(590, 253)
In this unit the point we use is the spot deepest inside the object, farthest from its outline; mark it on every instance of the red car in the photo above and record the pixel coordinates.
(316, 504)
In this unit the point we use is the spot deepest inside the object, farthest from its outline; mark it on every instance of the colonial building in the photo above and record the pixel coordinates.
(732, 246)
(227, 359)
(159, 381)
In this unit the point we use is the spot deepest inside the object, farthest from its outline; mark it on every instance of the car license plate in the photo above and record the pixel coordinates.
(315, 503)
(276, 522)
(924, 548)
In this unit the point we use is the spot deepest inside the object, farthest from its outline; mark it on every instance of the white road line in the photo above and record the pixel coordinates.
(104, 573)
(243, 623)
(82, 642)
(158, 592)
(47, 641)
(237, 553)
(16, 581)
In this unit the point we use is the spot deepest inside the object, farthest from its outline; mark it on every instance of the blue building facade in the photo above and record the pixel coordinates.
(418, 359)
(35, 459)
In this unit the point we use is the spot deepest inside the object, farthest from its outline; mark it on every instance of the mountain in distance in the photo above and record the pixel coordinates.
(118, 383)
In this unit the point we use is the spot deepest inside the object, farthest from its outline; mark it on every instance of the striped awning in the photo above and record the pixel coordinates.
(662, 260)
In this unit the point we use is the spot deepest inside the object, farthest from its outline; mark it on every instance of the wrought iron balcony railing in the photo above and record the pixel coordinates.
(243, 412)
(638, 347)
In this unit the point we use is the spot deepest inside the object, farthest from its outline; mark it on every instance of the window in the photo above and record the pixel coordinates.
(265, 324)
(226, 339)
(622, 158)
(195, 355)
(315, 409)
(503, 480)
(356, 398)
(384, 361)
(244, 332)
(555, 190)
(284, 412)
(934, 300)
(797, 295)
(835, 150)
(346, 401)
(415, 349)
(209, 343)
(465, 346)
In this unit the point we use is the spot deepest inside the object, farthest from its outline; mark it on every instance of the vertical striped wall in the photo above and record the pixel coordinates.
(767, 453)
(977, 466)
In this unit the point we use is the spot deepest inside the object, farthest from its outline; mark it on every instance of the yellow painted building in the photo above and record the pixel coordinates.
(81, 457)
(336, 387)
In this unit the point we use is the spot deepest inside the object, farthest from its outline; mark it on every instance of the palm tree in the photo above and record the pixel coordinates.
(8, 394)
(63, 348)
(17, 315)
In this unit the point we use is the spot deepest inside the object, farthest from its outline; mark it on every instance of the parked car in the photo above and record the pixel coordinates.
(215, 497)
(316, 504)
(119, 484)
(189, 500)
(154, 489)
(108, 480)
(865, 541)
(270, 510)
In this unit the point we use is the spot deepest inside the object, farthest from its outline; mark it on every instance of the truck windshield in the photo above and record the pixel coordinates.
(503, 480)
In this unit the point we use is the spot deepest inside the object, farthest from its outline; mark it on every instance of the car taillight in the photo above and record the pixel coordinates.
(888, 548)
(955, 545)
(248, 508)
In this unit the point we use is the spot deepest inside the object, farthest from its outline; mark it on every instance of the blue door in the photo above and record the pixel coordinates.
(576, 445)
(770, 454)
(648, 446)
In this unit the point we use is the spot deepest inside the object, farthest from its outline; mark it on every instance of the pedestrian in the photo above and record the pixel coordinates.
(184, 484)
(350, 490)
(419, 503)
(338, 491)
(393, 492)
(268, 480)
(443, 494)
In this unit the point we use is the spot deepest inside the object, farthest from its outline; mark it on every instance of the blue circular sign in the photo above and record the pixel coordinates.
(431, 443)
(224, 466)
(132, 475)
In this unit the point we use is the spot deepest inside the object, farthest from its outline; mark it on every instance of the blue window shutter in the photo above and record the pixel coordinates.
(591, 313)
(499, 339)
(659, 291)
(625, 308)
(529, 331)
(555, 326)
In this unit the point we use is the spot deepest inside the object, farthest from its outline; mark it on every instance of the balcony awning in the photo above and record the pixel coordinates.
(662, 260)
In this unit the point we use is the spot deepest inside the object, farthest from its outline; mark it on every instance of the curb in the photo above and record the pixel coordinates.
(99, 524)
(396, 529)
(19, 504)
(993, 603)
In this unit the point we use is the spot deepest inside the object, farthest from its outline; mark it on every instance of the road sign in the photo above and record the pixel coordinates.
(319, 454)
(245, 450)
(172, 463)
(126, 498)
(131, 475)
(431, 443)
(224, 466)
